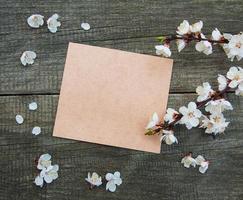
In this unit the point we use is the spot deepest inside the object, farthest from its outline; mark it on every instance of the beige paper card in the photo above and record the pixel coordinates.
(108, 96)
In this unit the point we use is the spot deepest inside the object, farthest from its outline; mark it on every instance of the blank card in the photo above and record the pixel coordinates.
(108, 96)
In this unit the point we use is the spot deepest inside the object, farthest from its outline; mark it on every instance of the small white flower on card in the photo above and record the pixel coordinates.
(94, 180)
(35, 21)
(113, 181)
(53, 24)
(28, 58)
(33, 106)
(19, 119)
(153, 121)
(39, 181)
(36, 130)
(85, 26)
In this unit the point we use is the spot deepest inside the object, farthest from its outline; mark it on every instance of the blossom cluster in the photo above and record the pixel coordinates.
(189, 161)
(213, 101)
(232, 44)
(48, 172)
(113, 180)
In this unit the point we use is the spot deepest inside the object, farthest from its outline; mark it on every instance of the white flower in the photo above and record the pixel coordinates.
(170, 115)
(36, 130)
(33, 106)
(203, 164)
(52, 23)
(197, 27)
(44, 161)
(235, 74)
(28, 58)
(216, 35)
(39, 181)
(218, 106)
(235, 46)
(191, 115)
(50, 173)
(19, 119)
(222, 81)
(188, 161)
(94, 180)
(85, 26)
(215, 124)
(113, 180)
(35, 21)
(204, 92)
(204, 46)
(163, 50)
(168, 137)
(153, 121)
(239, 91)
(183, 28)
(180, 44)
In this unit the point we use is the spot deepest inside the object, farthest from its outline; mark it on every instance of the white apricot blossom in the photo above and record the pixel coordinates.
(234, 48)
(168, 137)
(216, 35)
(204, 46)
(48, 172)
(222, 81)
(35, 21)
(94, 180)
(204, 92)
(183, 28)
(112, 181)
(163, 50)
(181, 44)
(215, 124)
(239, 90)
(53, 24)
(188, 161)
(196, 27)
(200, 160)
(44, 161)
(218, 106)
(235, 74)
(190, 114)
(170, 115)
(28, 58)
(153, 121)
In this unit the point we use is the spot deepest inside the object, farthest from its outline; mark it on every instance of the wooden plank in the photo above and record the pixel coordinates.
(125, 25)
(145, 175)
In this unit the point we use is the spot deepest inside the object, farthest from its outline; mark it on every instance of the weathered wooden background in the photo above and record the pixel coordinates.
(126, 25)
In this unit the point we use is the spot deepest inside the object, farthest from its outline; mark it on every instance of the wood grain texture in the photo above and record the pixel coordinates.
(126, 25)
(145, 175)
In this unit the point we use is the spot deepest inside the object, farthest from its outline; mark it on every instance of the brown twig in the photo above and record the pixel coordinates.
(169, 126)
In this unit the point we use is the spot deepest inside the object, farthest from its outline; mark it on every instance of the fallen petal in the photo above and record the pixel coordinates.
(36, 130)
(33, 106)
(85, 26)
(19, 119)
